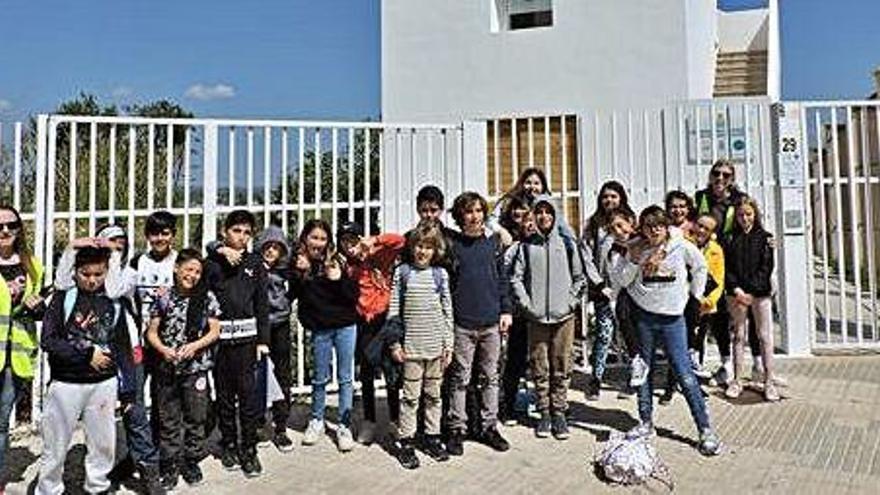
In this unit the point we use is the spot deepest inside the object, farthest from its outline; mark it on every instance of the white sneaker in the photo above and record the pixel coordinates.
(643, 430)
(313, 432)
(344, 439)
(366, 432)
(639, 372)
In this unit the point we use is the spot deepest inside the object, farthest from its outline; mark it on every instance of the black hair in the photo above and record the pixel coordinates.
(429, 194)
(91, 256)
(512, 203)
(678, 194)
(198, 299)
(653, 216)
(599, 218)
(188, 254)
(239, 217)
(159, 221)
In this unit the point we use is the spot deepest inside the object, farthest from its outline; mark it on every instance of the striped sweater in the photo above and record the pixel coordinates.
(426, 313)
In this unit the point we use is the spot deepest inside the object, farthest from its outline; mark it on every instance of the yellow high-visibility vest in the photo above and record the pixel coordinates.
(18, 332)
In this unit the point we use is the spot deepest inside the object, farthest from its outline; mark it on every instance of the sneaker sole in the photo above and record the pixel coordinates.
(285, 449)
(252, 475)
(542, 434)
(563, 436)
(232, 468)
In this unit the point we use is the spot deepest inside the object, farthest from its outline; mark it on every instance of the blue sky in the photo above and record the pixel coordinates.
(312, 58)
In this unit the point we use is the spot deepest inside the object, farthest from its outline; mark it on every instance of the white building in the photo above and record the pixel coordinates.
(451, 60)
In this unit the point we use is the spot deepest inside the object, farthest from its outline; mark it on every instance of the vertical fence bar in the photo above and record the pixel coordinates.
(876, 180)
(382, 189)
(250, 167)
(496, 154)
(713, 122)
(334, 171)
(151, 166)
(413, 169)
(350, 174)
(367, 179)
(646, 122)
(764, 149)
(698, 149)
(301, 178)
(71, 180)
(93, 175)
(869, 219)
(187, 165)
(429, 136)
(514, 148)
(398, 178)
(319, 162)
(597, 154)
(630, 150)
(531, 128)
(42, 164)
(16, 167)
(563, 142)
(838, 193)
(809, 221)
(747, 163)
(210, 179)
(853, 217)
(132, 163)
(285, 179)
(50, 197)
(267, 176)
(614, 165)
(231, 167)
(548, 168)
(169, 164)
(111, 200)
(826, 241)
(682, 145)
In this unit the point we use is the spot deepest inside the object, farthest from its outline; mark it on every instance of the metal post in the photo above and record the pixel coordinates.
(209, 185)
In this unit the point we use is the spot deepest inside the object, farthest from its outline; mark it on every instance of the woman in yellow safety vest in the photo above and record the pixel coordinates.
(21, 278)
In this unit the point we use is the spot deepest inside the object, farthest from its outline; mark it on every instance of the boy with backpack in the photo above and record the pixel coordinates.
(244, 338)
(547, 281)
(482, 309)
(86, 337)
(421, 302)
(183, 326)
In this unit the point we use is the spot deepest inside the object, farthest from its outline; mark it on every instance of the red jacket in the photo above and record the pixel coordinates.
(374, 275)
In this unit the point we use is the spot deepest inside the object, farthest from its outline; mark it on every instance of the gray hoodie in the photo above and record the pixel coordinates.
(548, 276)
(277, 276)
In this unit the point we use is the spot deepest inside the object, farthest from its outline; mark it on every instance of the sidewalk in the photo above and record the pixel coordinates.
(823, 438)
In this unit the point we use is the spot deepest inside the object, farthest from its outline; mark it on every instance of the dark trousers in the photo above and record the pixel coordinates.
(624, 311)
(366, 331)
(183, 409)
(235, 379)
(138, 429)
(279, 351)
(516, 362)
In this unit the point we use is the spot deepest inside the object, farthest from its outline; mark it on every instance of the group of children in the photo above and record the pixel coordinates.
(453, 319)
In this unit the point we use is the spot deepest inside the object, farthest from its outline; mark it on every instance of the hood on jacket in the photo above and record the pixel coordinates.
(274, 234)
(550, 201)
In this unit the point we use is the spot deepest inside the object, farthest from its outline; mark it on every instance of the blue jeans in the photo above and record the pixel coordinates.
(671, 332)
(138, 431)
(8, 389)
(324, 341)
(604, 332)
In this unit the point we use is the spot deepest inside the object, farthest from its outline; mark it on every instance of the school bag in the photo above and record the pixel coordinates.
(631, 461)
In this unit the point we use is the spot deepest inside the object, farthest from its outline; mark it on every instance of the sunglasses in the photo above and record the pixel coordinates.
(721, 174)
(11, 226)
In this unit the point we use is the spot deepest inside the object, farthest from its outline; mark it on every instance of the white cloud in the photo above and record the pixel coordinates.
(121, 92)
(209, 92)
(5, 105)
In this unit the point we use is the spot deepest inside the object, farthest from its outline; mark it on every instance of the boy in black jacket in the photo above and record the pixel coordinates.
(86, 336)
(244, 338)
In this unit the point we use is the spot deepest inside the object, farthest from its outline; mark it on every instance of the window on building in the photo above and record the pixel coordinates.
(528, 14)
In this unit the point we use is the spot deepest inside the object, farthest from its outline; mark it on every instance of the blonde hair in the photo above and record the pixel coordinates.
(428, 232)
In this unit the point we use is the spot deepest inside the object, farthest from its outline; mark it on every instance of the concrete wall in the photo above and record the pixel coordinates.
(442, 62)
(743, 31)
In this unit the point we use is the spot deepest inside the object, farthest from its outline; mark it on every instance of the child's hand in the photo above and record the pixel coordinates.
(504, 237)
(100, 359)
(447, 358)
(397, 354)
(652, 264)
(262, 350)
(705, 306)
(334, 271)
(302, 263)
(742, 298)
(186, 351)
(168, 354)
(504, 324)
(33, 301)
(607, 292)
(82, 242)
(231, 255)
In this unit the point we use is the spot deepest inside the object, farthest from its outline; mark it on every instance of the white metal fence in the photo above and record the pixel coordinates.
(843, 207)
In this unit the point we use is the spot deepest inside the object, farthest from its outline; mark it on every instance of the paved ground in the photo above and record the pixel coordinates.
(823, 438)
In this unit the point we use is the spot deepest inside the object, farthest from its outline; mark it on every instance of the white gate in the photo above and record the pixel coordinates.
(843, 191)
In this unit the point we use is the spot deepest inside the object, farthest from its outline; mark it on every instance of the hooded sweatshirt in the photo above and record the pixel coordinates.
(374, 275)
(667, 291)
(548, 275)
(278, 275)
(240, 290)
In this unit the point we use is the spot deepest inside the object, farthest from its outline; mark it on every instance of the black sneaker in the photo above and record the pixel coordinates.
(667, 396)
(229, 458)
(493, 438)
(282, 442)
(169, 480)
(250, 464)
(542, 429)
(560, 427)
(192, 473)
(264, 437)
(435, 449)
(406, 454)
(455, 445)
(592, 390)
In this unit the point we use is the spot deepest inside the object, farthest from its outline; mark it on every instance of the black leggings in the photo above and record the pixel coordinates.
(367, 330)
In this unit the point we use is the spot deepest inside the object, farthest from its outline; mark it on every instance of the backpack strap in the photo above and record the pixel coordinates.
(70, 302)
(437, 274)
